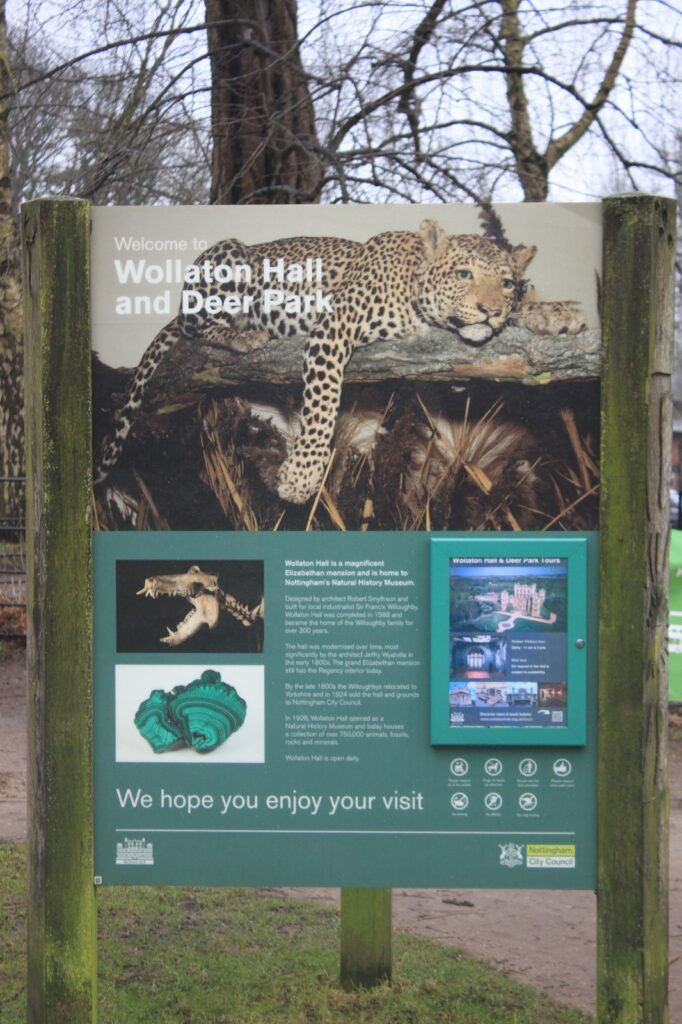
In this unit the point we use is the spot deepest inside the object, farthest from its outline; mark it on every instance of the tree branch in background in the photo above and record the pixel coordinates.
(557, 147)
(372, 100)
(407, 104)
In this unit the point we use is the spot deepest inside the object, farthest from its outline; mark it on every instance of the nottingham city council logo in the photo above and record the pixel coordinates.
(511, 855)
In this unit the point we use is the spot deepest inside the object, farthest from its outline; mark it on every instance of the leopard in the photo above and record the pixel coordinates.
(396, 285)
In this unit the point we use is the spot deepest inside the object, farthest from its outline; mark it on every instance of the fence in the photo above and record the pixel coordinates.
(13, 562)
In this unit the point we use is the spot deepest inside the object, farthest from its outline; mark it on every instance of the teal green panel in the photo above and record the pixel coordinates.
(330, 776)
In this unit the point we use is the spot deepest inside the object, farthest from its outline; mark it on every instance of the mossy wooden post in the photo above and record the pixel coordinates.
(637, 325)
(62, 956)
(365, 937)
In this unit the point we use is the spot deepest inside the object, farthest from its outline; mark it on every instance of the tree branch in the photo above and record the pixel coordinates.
(557, 147)
(531, 167)
(192, 369)
(421, 38)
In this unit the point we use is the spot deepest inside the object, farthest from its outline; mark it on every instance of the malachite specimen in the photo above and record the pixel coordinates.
(201, 715)
(154, 722)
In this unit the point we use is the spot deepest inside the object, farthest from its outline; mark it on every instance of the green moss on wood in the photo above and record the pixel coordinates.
(366, 937)
(636, 436)
(61, 916)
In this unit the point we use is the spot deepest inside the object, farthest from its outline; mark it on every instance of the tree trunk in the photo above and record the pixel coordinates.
(531, 166)
(11, 346)
(263, 125)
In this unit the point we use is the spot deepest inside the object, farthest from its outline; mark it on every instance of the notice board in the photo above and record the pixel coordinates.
(272, 706)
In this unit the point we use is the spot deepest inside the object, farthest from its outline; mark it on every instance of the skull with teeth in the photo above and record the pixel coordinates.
(206, 597)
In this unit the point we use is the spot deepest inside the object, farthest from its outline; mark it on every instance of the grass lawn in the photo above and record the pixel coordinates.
(235, 956)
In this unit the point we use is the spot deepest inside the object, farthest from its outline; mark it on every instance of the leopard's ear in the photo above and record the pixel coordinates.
(522, 255)
(434, 238)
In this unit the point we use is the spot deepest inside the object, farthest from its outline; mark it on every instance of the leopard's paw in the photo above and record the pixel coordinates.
(249, 341)
(551, 318)
(218, 335)
(300, 476)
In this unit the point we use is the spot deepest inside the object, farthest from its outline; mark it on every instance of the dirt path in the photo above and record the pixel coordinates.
(546, 939)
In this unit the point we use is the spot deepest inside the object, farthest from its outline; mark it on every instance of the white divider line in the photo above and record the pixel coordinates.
(337, 832)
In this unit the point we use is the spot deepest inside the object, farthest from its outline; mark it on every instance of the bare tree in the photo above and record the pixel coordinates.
(120, 125)
(446, 100)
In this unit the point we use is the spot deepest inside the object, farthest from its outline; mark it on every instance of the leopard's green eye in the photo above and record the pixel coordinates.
(464, 275)
(507, 282)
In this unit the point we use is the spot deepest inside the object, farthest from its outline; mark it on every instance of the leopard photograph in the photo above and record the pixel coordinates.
(385, 449)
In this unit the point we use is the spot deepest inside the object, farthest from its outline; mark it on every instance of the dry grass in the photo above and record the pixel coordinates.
(410, 464)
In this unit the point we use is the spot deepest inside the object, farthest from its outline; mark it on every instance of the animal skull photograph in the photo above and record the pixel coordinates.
(172, 605)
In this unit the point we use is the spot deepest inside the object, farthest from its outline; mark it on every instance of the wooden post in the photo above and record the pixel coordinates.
(62, 954)
(365, 937)
(637, 327)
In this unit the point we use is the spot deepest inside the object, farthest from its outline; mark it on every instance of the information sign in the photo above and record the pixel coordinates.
(285, 418)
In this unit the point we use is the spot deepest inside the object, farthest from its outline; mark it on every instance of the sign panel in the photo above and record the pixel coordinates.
(324, 771)
(266, 506)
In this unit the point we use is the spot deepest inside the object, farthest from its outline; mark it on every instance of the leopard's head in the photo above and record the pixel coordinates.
(468, 283)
